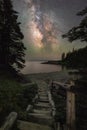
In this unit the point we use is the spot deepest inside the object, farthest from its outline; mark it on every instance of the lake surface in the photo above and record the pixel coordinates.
(36, 67)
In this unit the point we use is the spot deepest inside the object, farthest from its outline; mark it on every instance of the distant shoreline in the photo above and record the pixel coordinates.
(54, 62)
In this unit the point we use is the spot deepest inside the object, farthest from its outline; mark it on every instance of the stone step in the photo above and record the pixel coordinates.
(41, 104)
(43, 94)
(39, 107)
(44, 101)
(40, 89)
(42, 112)
(41, 115)
(43, 89)
(42, 108)
(24, 125)
(40, 118)
(43, 98)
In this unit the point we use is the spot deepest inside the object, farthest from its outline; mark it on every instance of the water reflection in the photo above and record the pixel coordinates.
(37, 67)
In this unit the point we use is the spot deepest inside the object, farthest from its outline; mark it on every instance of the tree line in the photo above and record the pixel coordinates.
(77, 57)
(12, 50)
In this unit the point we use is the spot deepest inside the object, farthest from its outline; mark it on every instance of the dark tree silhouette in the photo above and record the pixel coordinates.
(11, 46)
(78, 58)
(63, 56)
(80, 31)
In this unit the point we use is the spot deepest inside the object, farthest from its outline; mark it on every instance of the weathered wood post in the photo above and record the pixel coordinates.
(70, 114)
(10, 121)
(53, 108)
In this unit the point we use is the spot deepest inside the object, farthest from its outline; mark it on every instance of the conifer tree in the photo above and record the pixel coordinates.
(12, 49)
(79, 32)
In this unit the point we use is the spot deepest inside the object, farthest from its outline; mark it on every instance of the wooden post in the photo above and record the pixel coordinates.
(58, 126)
(70, 111)
(10, 120)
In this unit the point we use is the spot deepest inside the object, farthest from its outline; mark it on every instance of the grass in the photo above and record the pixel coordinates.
(14, 96)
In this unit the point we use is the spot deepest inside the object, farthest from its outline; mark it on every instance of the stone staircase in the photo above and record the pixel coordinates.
(42, 111)
(40, 117)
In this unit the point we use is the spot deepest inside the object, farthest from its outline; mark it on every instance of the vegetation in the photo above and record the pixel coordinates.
(60, 109)
(11, 46)
(11, 61)
(14, 97)
(60, 104)
(80, 90)
(79, 32)
(78, 58)
(63, 56)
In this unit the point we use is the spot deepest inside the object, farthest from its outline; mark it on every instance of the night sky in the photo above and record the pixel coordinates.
(43, 23)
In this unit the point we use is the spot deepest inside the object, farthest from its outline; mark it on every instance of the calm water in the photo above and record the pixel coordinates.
(37, 67)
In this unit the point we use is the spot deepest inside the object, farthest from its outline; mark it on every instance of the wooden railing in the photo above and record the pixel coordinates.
(70, 102)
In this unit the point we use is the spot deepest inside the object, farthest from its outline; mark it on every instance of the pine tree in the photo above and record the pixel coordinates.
(79, 32)
(63, 56)
(1, 28)
(12, 49)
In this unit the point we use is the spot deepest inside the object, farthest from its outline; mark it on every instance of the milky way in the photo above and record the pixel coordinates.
(43, 23)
